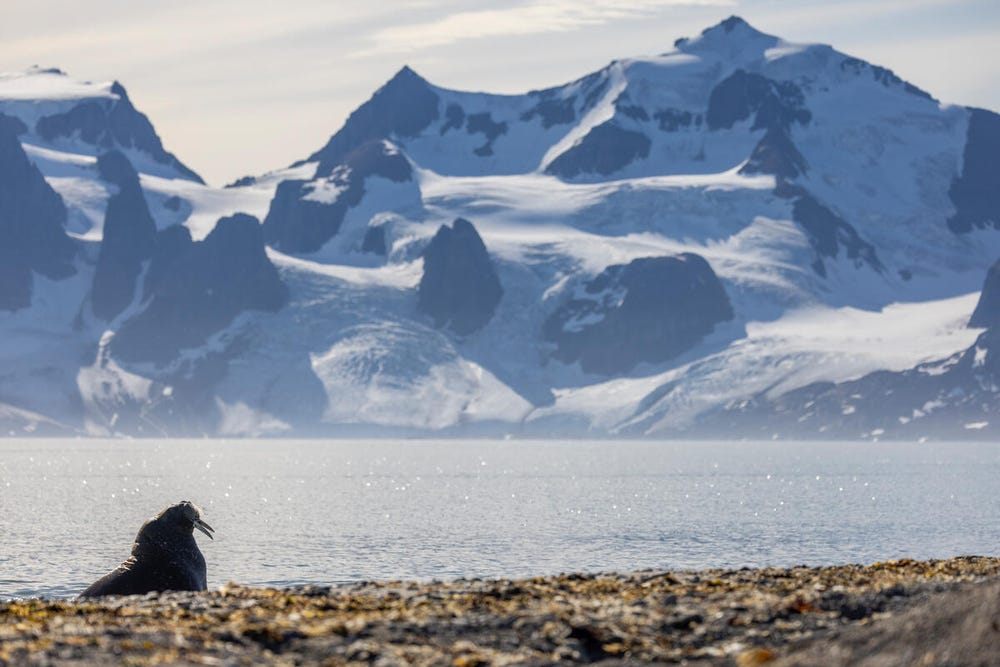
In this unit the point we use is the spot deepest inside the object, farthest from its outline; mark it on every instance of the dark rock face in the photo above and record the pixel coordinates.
(672, 120)
(129, 238)
(111, 124)
(13, 125)
(32, 216)
(775, 154)
(460, 288)
(976, 193)
(607, 148)
(242, 182)
(296, 223)
(208, 286)
(477, 123)
(454, 117)
(882, 75)
(403, 107)
(777, 104)
(169, 245)
(374, 241)
(827, 231)
(483, 123)
(551, 109)
(987, 312)
(649, 310)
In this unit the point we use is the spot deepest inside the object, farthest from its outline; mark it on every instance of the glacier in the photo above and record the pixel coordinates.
(848, 217)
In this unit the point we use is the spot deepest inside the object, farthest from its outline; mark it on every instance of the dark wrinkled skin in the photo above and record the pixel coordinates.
(165, 557)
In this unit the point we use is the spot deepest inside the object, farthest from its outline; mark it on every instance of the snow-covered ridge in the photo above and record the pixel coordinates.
(40, 86)
(839, 220)
(85, 118)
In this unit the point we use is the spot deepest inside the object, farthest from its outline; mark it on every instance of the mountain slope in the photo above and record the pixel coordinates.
(700, 243)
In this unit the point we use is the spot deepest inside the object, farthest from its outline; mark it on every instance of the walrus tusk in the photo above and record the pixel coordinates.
(204, 527)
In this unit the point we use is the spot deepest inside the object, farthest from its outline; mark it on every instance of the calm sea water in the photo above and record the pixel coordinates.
(290, 512)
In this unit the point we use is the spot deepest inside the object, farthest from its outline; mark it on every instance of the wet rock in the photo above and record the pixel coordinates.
(459, 288)
(649, 310)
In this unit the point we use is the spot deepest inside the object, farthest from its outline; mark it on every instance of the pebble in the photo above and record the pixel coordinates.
(740, 617)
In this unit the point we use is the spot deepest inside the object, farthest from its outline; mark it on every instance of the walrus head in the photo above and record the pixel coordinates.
(186, 516)
(176, 521)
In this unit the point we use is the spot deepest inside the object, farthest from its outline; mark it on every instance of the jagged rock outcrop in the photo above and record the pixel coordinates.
(32, 219)
(304, 215)
(460, 288)
(108, 124)
(776, 155)
(129, 238)
(199, 289)
(976, 191)
(169, 245)
(374, 241)
(477, 123)
(987, 312)
(828, 233)
(649, 310)
(773, 104)
(403, 107)
(606, 149)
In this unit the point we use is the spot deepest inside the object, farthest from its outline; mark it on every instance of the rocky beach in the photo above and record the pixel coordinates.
(944, 612)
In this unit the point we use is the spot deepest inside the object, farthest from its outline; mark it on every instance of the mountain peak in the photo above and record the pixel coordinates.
(728, 37)
(735, 26)
(406, 75)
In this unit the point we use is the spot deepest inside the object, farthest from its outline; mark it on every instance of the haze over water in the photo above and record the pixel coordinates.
(290, 512)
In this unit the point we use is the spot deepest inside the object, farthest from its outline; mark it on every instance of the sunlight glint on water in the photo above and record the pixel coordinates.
(328, 512)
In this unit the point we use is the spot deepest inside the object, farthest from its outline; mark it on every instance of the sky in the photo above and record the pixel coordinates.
(238, 87)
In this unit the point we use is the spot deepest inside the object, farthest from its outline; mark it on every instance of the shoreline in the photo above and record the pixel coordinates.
(745, 617)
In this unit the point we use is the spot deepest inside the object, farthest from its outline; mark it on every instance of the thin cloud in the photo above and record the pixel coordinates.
(532, 18)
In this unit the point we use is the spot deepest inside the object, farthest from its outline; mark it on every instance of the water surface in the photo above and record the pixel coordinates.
(289, 512)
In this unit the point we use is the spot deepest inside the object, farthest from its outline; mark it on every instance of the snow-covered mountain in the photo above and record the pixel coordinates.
(741, 237)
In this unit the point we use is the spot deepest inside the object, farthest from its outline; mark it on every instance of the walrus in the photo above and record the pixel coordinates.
(165, 557)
